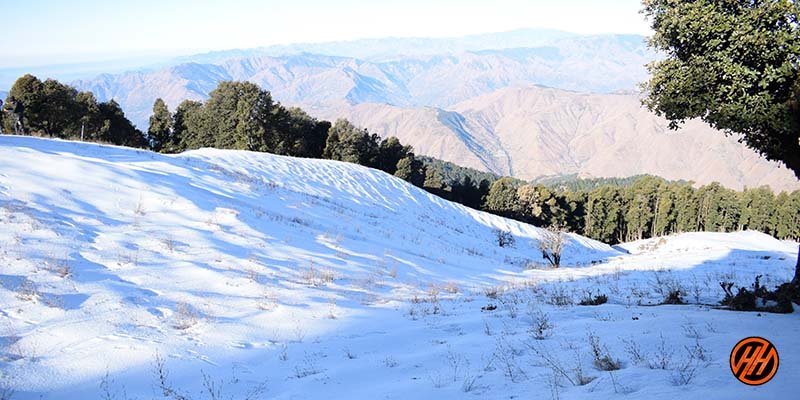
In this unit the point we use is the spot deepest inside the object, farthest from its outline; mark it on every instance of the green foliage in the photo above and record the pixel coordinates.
(346, 142)
(502, 198)
(411, 170)
(160, 131)
(58, 110)
(604, 214)
(390, 152)
(303, 135)
(116, 128)
(188, 126)
(734, 64)
(242, 116)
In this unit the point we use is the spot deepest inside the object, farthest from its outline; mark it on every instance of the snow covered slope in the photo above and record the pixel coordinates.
(290, 278)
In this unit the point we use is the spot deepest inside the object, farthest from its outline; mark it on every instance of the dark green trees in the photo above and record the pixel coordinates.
(411, 170)
(160, 131)
(502, 198)
(58, 110)
(346, 142)
(242, 116)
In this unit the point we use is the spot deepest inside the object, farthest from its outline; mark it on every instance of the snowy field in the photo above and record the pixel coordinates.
(216, 274)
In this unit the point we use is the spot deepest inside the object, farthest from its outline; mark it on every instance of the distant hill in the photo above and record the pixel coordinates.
(530, 132)
(463, 69)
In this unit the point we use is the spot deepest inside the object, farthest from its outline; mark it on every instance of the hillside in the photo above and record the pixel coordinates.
(275, 277)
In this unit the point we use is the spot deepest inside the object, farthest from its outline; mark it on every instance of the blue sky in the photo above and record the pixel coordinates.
(37, 32)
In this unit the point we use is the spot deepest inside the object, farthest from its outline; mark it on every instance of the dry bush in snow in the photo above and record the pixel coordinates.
(601, 356)
(552, 244)
(185, 316)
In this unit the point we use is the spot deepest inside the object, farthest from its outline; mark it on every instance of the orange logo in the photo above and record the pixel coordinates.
(754, 361)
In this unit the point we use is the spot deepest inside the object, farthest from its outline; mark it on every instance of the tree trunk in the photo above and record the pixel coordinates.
(796, 280)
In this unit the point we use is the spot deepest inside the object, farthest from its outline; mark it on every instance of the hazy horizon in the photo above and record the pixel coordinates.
(92, 30)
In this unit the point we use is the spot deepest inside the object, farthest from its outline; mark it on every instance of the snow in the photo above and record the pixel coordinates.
(321, 279)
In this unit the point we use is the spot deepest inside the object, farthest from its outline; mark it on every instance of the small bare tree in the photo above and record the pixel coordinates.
(552, 243)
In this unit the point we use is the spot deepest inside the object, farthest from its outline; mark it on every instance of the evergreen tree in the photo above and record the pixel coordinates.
(348, 143)
(391, 151)
(604, 214)
(160, 131)
(502, 198)
(411, 170)
(665, 216)
(757, 206)
(189, 128)
(302, 136)
(685, 209)
(117, 129)
(58, 113)
(29, 90)
(435, 183)
(239, 115)
(91, 120)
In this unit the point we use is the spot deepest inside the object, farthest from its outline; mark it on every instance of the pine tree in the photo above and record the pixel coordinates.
(502, 198)
(665, 218)
(411, 170)
(189, 127)
(604, 214)
(160, 131)
(348, 143)
(29, 90)
(391, 151)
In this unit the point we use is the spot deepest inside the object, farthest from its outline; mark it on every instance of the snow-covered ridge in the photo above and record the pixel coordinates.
(322, 277)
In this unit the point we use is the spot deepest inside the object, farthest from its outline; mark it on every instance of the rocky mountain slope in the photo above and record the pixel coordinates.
(529, 132)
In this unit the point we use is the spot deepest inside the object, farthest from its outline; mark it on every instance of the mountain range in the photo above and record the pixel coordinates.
(526, 103)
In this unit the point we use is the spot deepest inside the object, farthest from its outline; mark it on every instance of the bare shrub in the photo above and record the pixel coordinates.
(541, 328)
(666, 286)
(307, 368)
(559, 296)
(590, 300)
(27, 291)
(212, 388)
(552, 244)
(602, 358)
(674, 297)
(506, 355)
(268, 301)
(492, 291)
(504, 238)
(662, 358)
(162, 380)
(390, 362)
(634, 351)
(349, 354)
(284, 353)
(686, 370)
(59, 266)
(510, 302)
(468, 382)
(573, 374)
(458, 364)
(185, 316)
(451, 287)
(6, 389)
(169, 242)
(314, 276)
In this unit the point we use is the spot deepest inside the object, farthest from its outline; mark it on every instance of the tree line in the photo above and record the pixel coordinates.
(58, 110)
(242, 116)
